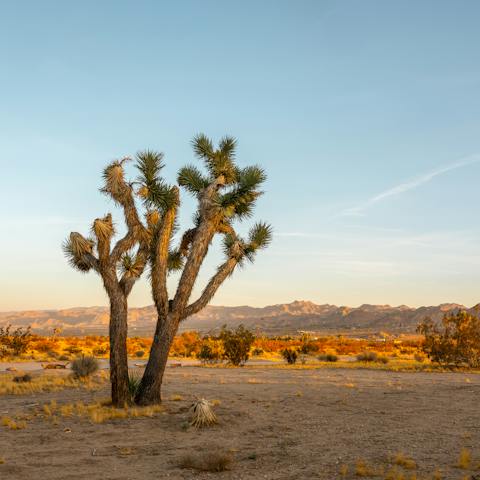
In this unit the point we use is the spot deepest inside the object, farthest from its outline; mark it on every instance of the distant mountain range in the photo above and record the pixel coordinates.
(289, 318)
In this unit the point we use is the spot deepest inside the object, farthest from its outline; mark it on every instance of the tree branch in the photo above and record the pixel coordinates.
(160, 251)
(223, 272)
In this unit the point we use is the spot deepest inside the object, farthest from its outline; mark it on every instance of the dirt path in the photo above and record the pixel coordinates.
(278, 424)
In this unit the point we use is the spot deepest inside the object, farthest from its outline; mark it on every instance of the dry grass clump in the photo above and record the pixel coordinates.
(84, 367)
(207, 461)
(176, 398)
(362, 469)
(99, 412)
(464, 459)
(202, 414)
(13, 424)
(403, 461)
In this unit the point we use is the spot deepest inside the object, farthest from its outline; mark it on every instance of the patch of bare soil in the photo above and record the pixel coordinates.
(273, 424)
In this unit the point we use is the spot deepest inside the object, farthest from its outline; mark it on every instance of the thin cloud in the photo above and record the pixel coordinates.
(410, 185)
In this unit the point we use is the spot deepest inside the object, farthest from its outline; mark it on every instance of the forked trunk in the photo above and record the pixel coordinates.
(149, 391)
(118, 350)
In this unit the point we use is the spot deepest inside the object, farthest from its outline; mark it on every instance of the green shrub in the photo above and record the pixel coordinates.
(25, 378)
(236, 344)
(134, 380)
(16, 341)
(100, 350)
(328, 357)
(367, 357)
(140, 354)
(457, 344)
(419, 357)
(290, 355)
(84, 366)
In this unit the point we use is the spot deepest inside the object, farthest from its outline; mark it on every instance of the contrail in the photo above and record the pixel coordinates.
(410, 185)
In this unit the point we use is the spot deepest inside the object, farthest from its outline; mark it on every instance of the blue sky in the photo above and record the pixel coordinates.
(365, 115)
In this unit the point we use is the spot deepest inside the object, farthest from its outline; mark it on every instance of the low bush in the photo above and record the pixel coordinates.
(84, 366)
(236, 344)
(100, 350)
(457, 343)
(327, 357)
(15, 341)
(290, 355)
(139, 353)
(367, 357)
(23, 378)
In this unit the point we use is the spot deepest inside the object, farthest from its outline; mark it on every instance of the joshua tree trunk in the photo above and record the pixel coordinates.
(118, 350)
(150, 388)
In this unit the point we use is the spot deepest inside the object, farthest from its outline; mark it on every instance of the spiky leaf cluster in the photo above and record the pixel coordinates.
(155, 192)
(75, 248)
(259, 237)
(238, 188)
(220, 162)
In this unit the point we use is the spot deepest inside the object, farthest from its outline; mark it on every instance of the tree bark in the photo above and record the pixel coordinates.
(149, 391)
(118, 350)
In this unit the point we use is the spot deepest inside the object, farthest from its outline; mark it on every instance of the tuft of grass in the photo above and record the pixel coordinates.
(437, 475)
(362, 469)
(395, 474)
(13, 424)
(464, 459)
(84, 367)
(343, 470)
(403, 461)
(367, 357)
(176, 398)
(134, 380)
(211, 461)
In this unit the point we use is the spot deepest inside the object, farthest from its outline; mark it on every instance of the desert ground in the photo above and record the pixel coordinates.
(274, 423)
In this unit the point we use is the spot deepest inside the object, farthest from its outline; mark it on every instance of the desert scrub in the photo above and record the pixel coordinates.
(367, 357)
(327, 357)
(84, 367)
(290, 355)
(464, 459)
(25, 378)
(403, 461)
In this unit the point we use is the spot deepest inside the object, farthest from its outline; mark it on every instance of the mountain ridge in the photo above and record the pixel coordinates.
(277, 319)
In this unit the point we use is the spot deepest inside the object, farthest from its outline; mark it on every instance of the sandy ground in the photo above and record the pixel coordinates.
(278, 424)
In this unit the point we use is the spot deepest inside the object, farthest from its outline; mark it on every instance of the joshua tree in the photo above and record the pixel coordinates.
(225, 193)
(119, 266)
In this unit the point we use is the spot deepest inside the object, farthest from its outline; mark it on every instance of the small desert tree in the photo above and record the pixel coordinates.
(225, 193)
(457, 344)
(236, 344)
(118, 265)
